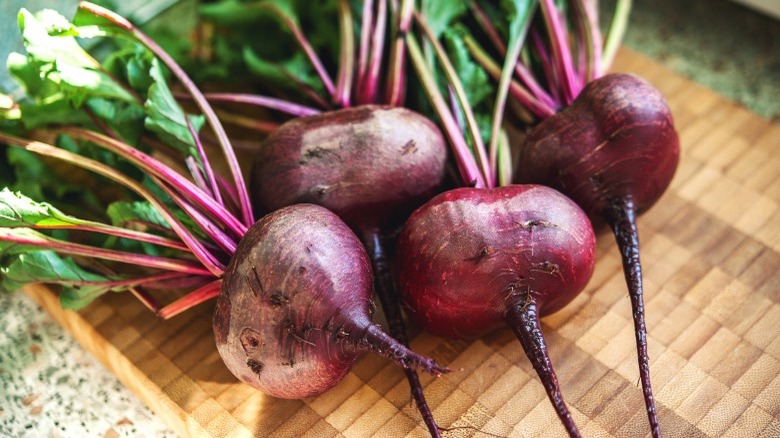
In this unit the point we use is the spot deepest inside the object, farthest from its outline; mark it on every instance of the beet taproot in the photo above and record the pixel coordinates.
(293, 314)
(614, 151)
(473, 260)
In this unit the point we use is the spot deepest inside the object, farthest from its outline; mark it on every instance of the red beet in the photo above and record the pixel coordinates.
(614, 152)
(372, 165)
(293, 314)
(368, 164)
(471, 260)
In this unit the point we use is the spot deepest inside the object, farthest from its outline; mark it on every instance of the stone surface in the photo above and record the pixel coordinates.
(51, 387)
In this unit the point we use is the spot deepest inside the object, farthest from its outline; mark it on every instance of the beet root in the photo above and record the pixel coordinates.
(471, 260)
(293, 314)
(616, 141)
(614, 151)
(366, 164)
(372, 165)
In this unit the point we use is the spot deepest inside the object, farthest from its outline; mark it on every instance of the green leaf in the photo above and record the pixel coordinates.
(166, 118)
(76, 298)
(286, 74)
(17, 210)
(51, 44)
(475, 80)
(43, 266)
(231, 12)
(57, 109)
(126, 120)
(440, 15)
(122, 213)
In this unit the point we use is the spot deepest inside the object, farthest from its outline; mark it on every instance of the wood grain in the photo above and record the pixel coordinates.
(711, 253)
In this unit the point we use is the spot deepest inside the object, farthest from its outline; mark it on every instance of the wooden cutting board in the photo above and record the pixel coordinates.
(711, 253)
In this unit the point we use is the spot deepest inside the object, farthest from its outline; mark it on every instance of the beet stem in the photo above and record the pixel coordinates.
(523, 318)
(621, 215)
(385, 290)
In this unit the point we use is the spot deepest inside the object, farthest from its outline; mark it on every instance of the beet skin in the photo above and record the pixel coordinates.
(366, 163)
(471, 260)
(293, 314)
(614, 151)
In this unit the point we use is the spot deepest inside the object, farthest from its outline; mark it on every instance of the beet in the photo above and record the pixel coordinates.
(472, 260)
(614, 152)
(293, 314)
(372, 165)
(368, 164)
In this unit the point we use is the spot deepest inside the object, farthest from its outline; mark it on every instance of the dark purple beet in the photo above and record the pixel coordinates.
(472, 260)
(371, 165)
(293, 313)
(614, 152)
(367, 164)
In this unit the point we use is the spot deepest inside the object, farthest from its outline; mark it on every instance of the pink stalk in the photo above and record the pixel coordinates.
(560, 49)
(200, 100)
(192, 299)
(217, 235)
(537, 107)
(147, 300)
(366, 26)
(156, 168)
(467, 166)
(197, 175)
(396, 79)
(462, 100)
(284, 106)
(371, 83)
(304, 44)
(487, 26)
(192, 243)
(546, 62)
(521, 70)
(515, 45)
(592, 41)
(96, 227)
(207, 171)
(127, 282)
(347, 56)
(527, 77)
(61, 246)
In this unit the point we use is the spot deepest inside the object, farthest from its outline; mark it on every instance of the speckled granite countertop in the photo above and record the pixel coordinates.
(51, 387)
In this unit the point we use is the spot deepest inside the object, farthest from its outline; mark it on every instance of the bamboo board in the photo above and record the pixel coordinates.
(711, 254)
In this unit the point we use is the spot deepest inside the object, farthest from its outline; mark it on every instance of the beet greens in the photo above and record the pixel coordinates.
(196, 233)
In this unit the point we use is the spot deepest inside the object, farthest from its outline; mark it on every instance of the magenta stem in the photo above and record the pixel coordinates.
(561, 52)
(192, 299)
(467, 166)
(371, 83)
(537, 107)
(95, 227)
(200, 101)
(396, 82)
(75, 249)
(156, 168)
(217, 235)
(94, 166)
(207, 170)
(284, 106)
(342, 94)
(366, 29)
